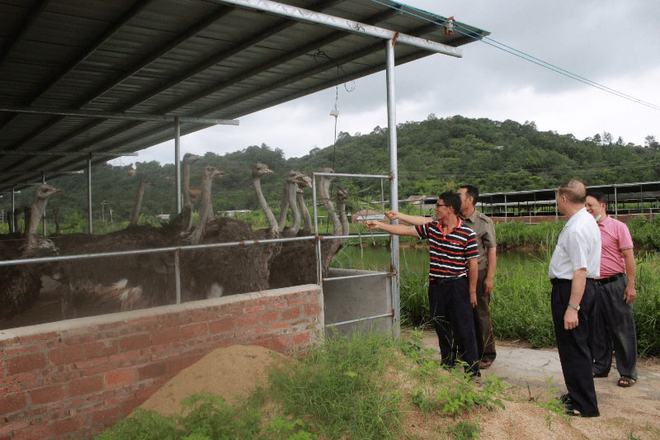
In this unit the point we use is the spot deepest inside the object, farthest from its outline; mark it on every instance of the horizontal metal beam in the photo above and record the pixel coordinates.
(366, 318)
(121, 116)
(366, 176)
(63, 153)
(345, 24)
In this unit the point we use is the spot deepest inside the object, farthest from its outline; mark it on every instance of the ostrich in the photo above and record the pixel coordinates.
(308, 226)
(20, 286)
(236, 269)
(206, 205)
(295, 264)
(188, 160)
(342, 196)
(137, 205)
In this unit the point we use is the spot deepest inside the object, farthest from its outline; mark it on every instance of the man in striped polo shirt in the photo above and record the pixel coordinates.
(453, 272)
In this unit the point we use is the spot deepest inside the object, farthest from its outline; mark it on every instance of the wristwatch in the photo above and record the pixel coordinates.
(574, 307)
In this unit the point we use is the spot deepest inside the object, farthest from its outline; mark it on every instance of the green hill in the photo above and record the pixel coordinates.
(433, 155)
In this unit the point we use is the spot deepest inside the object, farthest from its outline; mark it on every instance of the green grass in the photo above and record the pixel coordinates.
(346, 388)
(521, 301)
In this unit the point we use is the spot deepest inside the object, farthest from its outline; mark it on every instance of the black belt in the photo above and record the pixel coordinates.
(610, 279)
(439, 281)
(556, 281)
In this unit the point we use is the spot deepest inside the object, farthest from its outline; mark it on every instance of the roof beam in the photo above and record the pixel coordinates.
(29, 18)
(344, 24)
(120, 116)
(125, 17)
(422, 30)
(279, 26)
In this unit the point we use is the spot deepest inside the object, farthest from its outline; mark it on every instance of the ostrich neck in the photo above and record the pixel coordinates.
(324, 192)
(137, 206)
(205, 211)
(292, 191)
(36, 212)
(341, 207)
(284, 207)
(272, 222)
(305, 213)
(186, 184)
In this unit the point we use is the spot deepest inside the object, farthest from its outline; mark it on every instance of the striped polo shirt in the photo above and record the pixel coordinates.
(448, 254)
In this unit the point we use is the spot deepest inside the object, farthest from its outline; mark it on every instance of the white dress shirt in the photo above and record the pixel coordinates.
(578, 247)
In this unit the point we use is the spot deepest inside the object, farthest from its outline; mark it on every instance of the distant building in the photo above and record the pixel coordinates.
(235, 212)
(163, 217)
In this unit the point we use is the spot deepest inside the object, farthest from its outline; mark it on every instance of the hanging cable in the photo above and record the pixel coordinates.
(463, 30)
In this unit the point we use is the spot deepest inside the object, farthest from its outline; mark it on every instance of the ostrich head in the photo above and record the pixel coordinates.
(212, 172)
(45, 191)
(260, 169)
(191, 158)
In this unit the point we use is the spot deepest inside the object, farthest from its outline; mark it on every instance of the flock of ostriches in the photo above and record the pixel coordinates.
(108, 284)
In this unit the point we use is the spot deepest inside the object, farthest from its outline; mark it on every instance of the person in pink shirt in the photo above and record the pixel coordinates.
(614, 326)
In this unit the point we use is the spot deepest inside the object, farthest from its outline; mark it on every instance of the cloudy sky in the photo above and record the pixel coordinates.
(613, 42)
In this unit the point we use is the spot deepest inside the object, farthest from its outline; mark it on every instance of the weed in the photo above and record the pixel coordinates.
(465, 431)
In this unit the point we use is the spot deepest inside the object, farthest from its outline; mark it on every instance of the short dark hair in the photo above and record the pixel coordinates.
(451, 199)
(598, 195)
(471, 191)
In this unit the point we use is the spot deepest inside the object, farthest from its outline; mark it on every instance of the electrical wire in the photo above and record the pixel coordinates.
(463, 30)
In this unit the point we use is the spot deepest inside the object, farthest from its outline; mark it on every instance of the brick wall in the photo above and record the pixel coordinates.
(73, 378)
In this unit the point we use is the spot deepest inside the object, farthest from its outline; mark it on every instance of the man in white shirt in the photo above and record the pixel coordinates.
(574, 266)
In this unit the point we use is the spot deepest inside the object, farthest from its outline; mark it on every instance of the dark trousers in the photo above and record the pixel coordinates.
(573, 345)
(483, 323)
(451, 312)
(613, 329)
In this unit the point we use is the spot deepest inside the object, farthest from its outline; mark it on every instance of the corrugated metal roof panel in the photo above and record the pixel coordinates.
(185, 57)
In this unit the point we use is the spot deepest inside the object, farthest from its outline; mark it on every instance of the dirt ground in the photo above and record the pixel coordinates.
(533, 375)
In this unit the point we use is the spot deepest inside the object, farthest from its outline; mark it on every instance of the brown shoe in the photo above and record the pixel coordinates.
(485, 364)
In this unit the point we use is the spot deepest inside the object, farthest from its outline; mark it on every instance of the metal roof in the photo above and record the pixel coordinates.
(624, 191)
(193, 58)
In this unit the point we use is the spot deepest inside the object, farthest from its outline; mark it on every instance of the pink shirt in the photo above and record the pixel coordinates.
(615, 237)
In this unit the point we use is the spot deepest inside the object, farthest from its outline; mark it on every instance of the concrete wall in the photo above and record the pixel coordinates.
(72, 379)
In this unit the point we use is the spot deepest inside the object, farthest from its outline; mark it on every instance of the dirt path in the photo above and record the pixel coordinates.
(626, 413)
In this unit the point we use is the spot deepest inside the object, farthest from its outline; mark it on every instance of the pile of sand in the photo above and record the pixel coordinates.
(231, 372)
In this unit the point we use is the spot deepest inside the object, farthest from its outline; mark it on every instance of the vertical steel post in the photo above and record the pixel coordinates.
(177, 276)
(319, 267)
(616, 203)
(43, 215)
(177, 164)
(505, 209)
(394, 181)
(13, 209)
(90, 219)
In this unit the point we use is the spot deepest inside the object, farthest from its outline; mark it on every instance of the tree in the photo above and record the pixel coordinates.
(650, 142)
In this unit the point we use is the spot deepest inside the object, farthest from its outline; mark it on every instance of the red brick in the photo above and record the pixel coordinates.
(106, 417)
(25, 363)
(85, 385)
(176, 365)
(152, 370)
(291, 313)
(134, 342)
(166, 336)
(66, 426)
(312, 309)
(16, 425)
(194, 330)
(66, 354)
(100, 349)
(117, 378)
(47, 394)
(39, 337)
(32, 432)
(222, 325)
(302, 339)
(10, 403)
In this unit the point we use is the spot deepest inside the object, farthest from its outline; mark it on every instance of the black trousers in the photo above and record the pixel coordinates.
(483, 323)
(573, 345)
(613, 329)
(452, 315)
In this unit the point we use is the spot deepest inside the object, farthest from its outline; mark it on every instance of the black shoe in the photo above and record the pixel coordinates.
(572, 411)
(565, 399)
(605, 374)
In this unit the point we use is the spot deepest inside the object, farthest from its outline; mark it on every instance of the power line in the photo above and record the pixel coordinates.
(458, 27)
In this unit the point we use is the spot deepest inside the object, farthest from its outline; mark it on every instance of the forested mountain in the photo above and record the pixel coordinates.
(433, 155)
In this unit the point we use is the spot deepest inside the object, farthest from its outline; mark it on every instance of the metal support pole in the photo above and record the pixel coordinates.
(319, 267)
(90, 219)
(177, 276)
(394, 181)
(43, 215)
(177, 162)
(505, 209)
(13, 209)
(616, 204)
